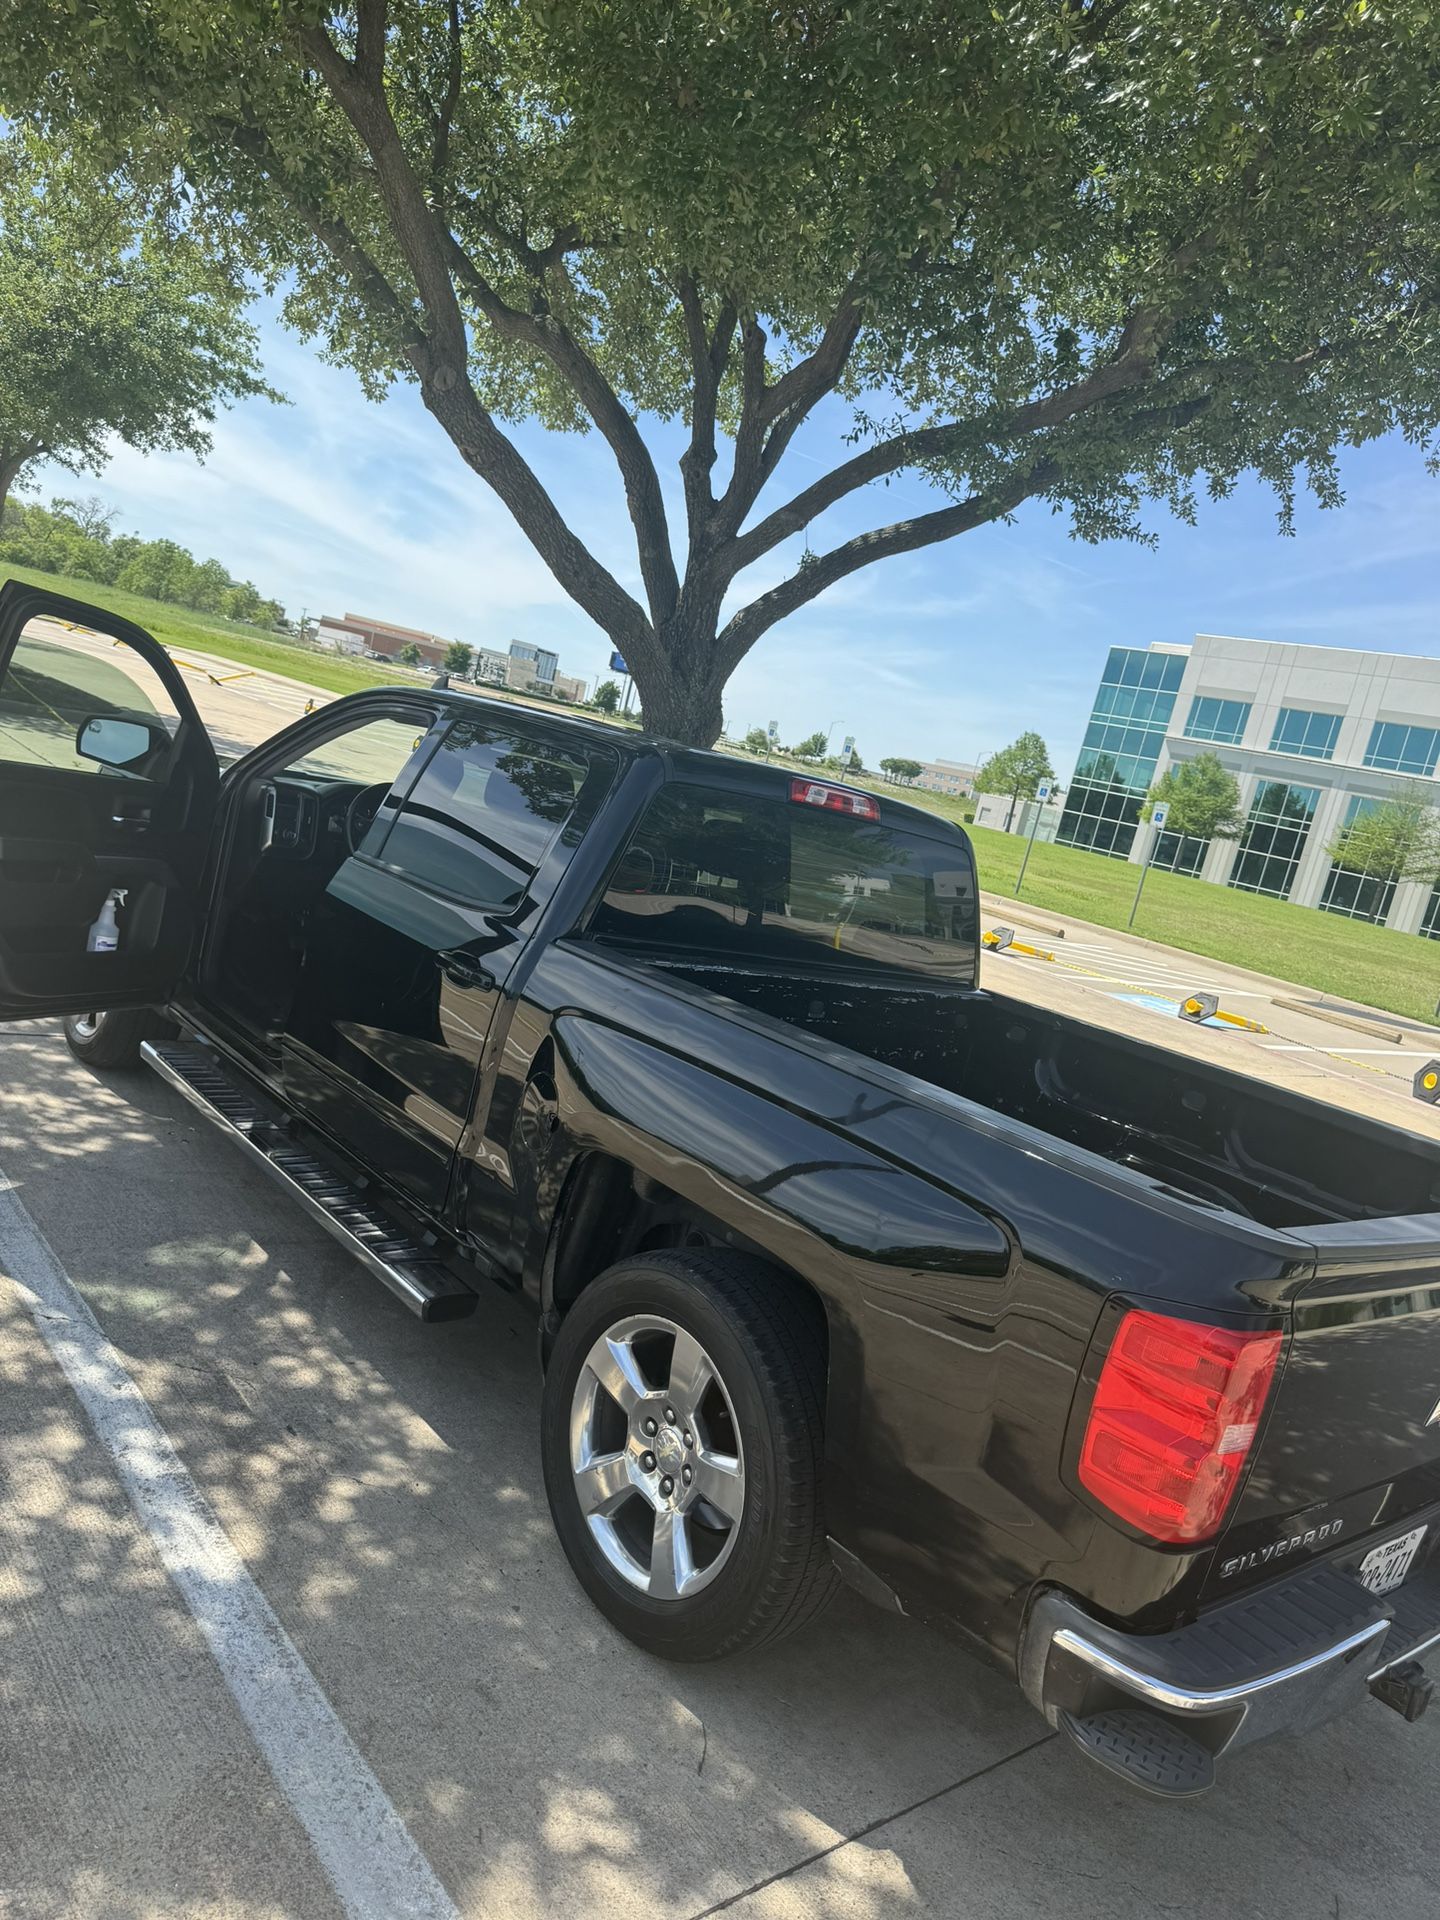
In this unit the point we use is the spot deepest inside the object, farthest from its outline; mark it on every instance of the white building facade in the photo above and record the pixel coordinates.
(947, 776)
(1313, 735)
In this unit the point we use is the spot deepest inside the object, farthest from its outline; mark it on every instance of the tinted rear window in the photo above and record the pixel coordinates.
(712, 873)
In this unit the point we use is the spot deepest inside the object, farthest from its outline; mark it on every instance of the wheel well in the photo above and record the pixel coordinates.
(609, 1211)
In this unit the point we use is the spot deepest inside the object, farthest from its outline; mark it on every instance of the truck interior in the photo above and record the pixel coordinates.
(293, 827)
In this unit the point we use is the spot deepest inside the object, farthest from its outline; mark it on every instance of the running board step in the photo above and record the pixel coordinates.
(1143, 1749)
(391, 1252)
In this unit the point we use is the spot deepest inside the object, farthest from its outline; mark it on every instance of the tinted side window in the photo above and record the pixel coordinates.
(481, 815)
(712, 873)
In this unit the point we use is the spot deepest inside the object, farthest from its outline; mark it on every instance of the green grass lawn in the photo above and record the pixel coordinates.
(178, 628)
(1398, 971)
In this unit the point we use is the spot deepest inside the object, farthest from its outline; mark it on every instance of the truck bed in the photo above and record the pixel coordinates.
(1219, 1138)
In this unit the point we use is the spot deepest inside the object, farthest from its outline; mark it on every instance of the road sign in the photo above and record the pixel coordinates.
(774, 730)
(1042, 792)
(1159, 814)
(617, 663)
(848, 749)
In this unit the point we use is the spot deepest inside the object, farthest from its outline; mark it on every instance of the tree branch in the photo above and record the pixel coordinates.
(904, 536)
(371, 25)
(547, 335)
(709, 357)
(329, 229)
(440, 151)
(432, 253)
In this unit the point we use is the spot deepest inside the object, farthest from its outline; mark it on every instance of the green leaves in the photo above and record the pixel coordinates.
(1203, 798)
(114, 322)
(1111, 256)
(1396, 839)
(1017, 769)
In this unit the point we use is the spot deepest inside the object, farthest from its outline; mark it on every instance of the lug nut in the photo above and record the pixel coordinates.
(686, 1475)
(669, 1416)
(647, 1461)
(667, 1486)
(689, 1438)
(651, 1427)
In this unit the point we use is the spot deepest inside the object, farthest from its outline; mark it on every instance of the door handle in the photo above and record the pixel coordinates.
(135, 819)
(463, 970)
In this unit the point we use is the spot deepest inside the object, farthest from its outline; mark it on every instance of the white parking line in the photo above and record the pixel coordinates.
(376, 1869)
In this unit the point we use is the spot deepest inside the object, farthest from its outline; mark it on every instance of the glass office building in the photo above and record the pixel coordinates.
(1121, 749)
(1316, 739)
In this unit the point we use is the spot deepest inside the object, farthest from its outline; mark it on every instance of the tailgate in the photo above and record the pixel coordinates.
(1351, 1444)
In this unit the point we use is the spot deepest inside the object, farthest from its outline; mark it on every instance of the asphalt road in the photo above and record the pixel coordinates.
(450, 1710)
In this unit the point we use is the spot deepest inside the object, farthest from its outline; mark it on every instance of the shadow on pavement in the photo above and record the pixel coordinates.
(382, 1481)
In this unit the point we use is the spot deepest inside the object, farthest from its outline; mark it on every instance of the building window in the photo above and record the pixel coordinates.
(1223, 721)
(1122, 744)
(1430, 925)
(1274, 838)
(1401, 749)
(1180, 852)
(1357, 894)
(1312, 735)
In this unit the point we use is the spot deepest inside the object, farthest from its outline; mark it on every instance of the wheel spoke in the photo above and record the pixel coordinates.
(690, 1374)
(671, 1563)
(614, 1365)
(721, 1484)
(603, 1483)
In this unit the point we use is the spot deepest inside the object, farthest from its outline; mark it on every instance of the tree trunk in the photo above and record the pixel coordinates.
(10, 465)
(681, 684)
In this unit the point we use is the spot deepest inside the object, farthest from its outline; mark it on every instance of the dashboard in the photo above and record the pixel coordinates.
(302, 818)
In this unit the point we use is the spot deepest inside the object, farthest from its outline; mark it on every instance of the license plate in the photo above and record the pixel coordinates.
(1386, 1566)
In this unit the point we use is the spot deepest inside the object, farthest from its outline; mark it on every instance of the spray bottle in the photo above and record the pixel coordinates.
(104, 935)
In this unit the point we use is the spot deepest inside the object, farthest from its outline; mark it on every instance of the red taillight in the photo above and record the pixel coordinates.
(814, 793)
(1173, 1421)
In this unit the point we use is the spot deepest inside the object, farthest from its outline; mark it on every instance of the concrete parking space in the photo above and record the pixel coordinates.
(1352, 1057)
(380, 1483)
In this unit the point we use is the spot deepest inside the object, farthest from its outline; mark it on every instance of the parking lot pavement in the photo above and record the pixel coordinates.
(380, 1481)
(1365, 1061)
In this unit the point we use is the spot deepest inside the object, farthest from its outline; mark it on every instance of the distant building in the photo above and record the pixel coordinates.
(519, 667)
(1315, 736)
(947, 776)
(358, 633)
(1007, 815)
(541, 661)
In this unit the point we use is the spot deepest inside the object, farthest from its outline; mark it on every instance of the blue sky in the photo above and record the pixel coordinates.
(335, 504)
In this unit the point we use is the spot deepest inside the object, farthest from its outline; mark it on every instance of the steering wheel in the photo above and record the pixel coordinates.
(361, 812)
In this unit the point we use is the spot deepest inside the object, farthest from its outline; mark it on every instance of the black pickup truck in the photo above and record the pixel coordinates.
(1124, 1367)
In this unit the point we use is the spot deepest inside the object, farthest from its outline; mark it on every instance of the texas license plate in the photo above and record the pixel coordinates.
(1386, 1566)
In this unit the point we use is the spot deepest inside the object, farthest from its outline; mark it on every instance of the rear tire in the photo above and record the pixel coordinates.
(112, 1040)
(682, 1576)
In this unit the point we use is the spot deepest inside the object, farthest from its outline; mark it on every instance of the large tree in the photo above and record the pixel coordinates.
(115, 323)
(1097, 254)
